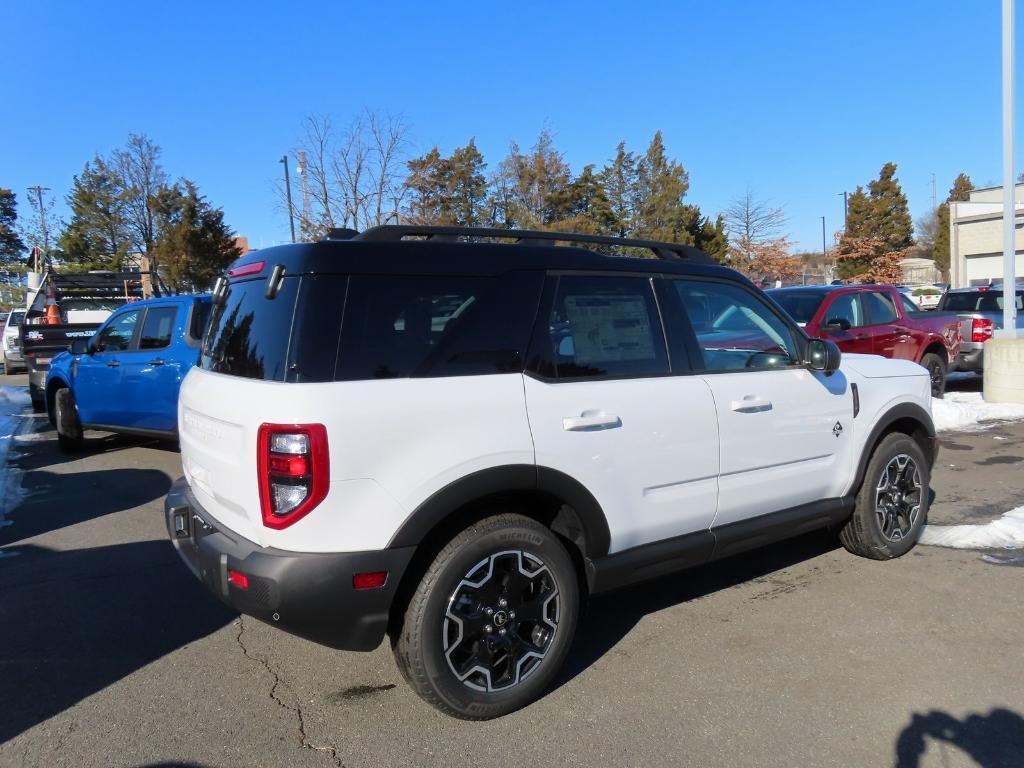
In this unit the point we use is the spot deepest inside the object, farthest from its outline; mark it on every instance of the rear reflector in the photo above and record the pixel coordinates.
(240, 580)
(253, 268)
(371, 580)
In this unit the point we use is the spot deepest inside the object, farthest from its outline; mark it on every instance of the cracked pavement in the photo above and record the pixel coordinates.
(111, 654)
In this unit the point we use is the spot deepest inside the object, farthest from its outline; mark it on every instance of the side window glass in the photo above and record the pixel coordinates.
(735, 330)
(879, 308)
(117, 336)
(909, 307)
(844, 311)
(395, 325)
(157, 328)
(606, 327)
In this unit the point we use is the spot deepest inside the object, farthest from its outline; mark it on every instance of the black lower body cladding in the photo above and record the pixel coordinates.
(307, 594)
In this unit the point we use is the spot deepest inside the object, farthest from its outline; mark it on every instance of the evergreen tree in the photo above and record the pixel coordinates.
(191, 240)
(11, 245)
(97, 235)
(427, 185)
(712, 238)
(879, 220)
(858, 214)
(960, 192)
(527, 188)
(661, 186)
(890, 214)
(467, 186)
(583, 206)
(619, 181)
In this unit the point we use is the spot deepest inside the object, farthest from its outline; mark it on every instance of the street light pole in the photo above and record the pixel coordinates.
(1009, 188)
(824, 248)
(846, 211)
(288, 193)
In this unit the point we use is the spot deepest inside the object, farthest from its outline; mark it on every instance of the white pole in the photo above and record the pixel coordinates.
(1009, 248)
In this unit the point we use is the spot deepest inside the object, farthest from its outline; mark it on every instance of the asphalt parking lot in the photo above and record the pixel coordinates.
(798, 655)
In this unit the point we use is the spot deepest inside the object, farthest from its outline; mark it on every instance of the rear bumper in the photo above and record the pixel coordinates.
(970, 360)
(306, 594)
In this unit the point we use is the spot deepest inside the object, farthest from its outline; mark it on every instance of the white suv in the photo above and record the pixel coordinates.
(431, 434)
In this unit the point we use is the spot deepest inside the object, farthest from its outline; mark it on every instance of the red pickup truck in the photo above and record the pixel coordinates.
(876, 320)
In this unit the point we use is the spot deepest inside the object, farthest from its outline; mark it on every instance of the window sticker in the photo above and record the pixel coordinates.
(609, 328)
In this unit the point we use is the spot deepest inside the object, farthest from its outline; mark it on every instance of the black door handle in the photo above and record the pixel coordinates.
(113, 363)
(157, 361)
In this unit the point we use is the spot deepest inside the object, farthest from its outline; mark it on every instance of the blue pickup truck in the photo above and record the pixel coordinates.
(126, 377)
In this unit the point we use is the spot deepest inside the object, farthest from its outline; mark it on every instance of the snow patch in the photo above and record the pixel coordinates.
(965, 411)
(1006, 532)
(15, 412)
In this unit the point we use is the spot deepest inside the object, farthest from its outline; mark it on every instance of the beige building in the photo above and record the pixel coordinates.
(976, 237)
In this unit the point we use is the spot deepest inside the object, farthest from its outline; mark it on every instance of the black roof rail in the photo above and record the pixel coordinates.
(392, 233)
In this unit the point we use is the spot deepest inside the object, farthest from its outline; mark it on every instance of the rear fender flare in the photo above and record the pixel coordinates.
(580, 518)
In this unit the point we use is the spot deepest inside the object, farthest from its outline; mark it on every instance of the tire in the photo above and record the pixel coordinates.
(463, 616)
(937, 370)
(69, 428)
(884, 525)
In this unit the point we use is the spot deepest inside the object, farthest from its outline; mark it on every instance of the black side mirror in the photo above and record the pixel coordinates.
(837, 324)
(823, 356)
(79, 347)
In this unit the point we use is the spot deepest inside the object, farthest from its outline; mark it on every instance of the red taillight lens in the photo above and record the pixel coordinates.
(253, 268)
(240, 580)
(981, 329)
(293, 471)
(371, 580)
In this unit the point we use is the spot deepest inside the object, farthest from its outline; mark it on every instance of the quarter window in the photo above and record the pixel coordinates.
(156, 330)
(605, 327)
(118, 334)
(735, 330)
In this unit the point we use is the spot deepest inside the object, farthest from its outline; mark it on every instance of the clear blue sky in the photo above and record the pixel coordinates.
(797, 100)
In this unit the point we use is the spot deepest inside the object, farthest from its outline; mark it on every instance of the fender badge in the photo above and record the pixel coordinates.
(837, 429)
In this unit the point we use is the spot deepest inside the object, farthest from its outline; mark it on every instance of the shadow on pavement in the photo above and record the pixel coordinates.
(74, 622)
(964, 382)
(58, 500)
(995, 740)
(609, 618)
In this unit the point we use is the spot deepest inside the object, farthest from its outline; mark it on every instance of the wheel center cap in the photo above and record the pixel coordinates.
(500, 618)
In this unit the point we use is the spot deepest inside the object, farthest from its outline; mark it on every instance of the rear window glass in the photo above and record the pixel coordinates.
(800, 306)
(248, 334)
(979, 301)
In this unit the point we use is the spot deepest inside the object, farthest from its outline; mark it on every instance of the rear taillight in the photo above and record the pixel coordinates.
(981, 329)
(294, 471)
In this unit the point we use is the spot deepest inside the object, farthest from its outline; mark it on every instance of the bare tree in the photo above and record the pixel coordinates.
(389, 142)
(751, 222)
(353, 178)
(926, 230)
(315, 149)
(141, 176)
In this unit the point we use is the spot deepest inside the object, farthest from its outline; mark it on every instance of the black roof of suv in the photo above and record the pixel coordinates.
(474, 251)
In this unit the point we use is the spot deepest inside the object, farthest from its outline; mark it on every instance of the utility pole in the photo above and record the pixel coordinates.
(846, 211)
(934, 196)
(288, 193)
(38, 191)
(824, 248)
